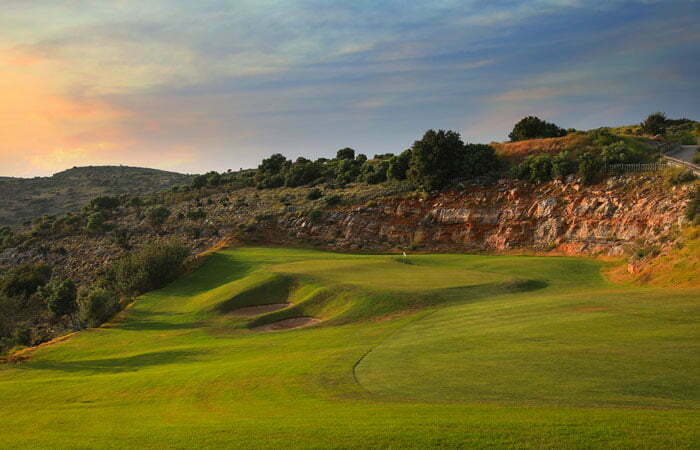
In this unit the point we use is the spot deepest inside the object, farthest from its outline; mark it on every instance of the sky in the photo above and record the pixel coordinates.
(193, 86)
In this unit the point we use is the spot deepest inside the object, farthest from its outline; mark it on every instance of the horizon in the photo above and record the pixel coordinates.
(216, 86)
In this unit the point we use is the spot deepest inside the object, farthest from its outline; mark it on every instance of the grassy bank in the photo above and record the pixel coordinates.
(450, 350)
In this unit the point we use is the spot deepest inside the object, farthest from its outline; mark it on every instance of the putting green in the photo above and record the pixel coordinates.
(448, 351)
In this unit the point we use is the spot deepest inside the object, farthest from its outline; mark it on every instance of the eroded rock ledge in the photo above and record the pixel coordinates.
(568, 217)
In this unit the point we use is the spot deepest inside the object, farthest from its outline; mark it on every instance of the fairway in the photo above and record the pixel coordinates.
(441, 351)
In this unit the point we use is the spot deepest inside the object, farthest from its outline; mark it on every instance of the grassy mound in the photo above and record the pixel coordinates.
(451, 350)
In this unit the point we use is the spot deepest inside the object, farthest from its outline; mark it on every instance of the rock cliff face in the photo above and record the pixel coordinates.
(568, 217)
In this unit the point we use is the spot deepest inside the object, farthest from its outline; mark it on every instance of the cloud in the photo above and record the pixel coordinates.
(214, 84)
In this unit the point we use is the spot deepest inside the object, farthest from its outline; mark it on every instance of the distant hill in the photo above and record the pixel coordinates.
(23, 199)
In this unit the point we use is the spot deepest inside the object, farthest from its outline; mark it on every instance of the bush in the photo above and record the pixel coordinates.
(314, 194)
(332, 200)
(22, 335)
(534, 128)
(654, 124)
(60, 297)
(621, 153)
(315, 215)
(196, 214)
(121, 236)
(563, 165)
(104, 203)
(25, 280)
(692, 211)
(682, 177)
(6, 237)
(95, 222)
(158, 215)
(97, 305)
(590, 168)
(149, 268)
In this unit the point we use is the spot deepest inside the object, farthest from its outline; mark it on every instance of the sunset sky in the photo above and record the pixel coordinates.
(205, 85)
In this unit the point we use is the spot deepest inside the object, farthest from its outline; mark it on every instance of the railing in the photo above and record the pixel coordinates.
(683, 164)
(634, 167)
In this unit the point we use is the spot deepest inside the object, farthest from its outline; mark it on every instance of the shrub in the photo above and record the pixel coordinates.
(563, 165)
(97, 305)
(314, 194)
(602, 137)
(25, 280)
(682, 177)
(621, 153)
(149, 268)
(104, 203)
(95, 222)
(158, 215)
(589, 168)
(6, 237)
(332, 200)
(534, 128)
(654, 124)
(196, 214)
(692, 211)
(22, 334)
(121, 236)
(315, 215)
(60, 297)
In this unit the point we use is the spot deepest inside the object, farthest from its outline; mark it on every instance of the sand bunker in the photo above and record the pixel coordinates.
(287, 324)
(249, 311)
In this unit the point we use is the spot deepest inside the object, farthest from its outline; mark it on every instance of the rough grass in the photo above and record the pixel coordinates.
(536, 352)
(515, 152)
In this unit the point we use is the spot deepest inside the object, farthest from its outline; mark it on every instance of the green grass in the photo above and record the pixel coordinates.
(451, 351)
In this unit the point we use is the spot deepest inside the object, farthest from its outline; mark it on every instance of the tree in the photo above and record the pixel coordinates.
(435, 159)
(97, 305)
(478, 159)
(199, 181)
(532, 127)
(302, 172)
(398, 165)
(272, 165)
(60, 297)
(23, 281)
(345, 153)
(441, 156)
(158, 215)
(654, 124)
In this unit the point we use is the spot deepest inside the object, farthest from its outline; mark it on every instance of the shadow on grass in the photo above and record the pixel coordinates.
(217, 270)
(139, 320)
(472, 293)
(116, 365)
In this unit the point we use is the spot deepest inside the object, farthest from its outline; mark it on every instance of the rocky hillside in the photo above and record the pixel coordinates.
(624, 214)
(620, 217)
(25, 199)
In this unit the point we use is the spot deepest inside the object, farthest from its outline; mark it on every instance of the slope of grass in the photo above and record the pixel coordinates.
(452, 350)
